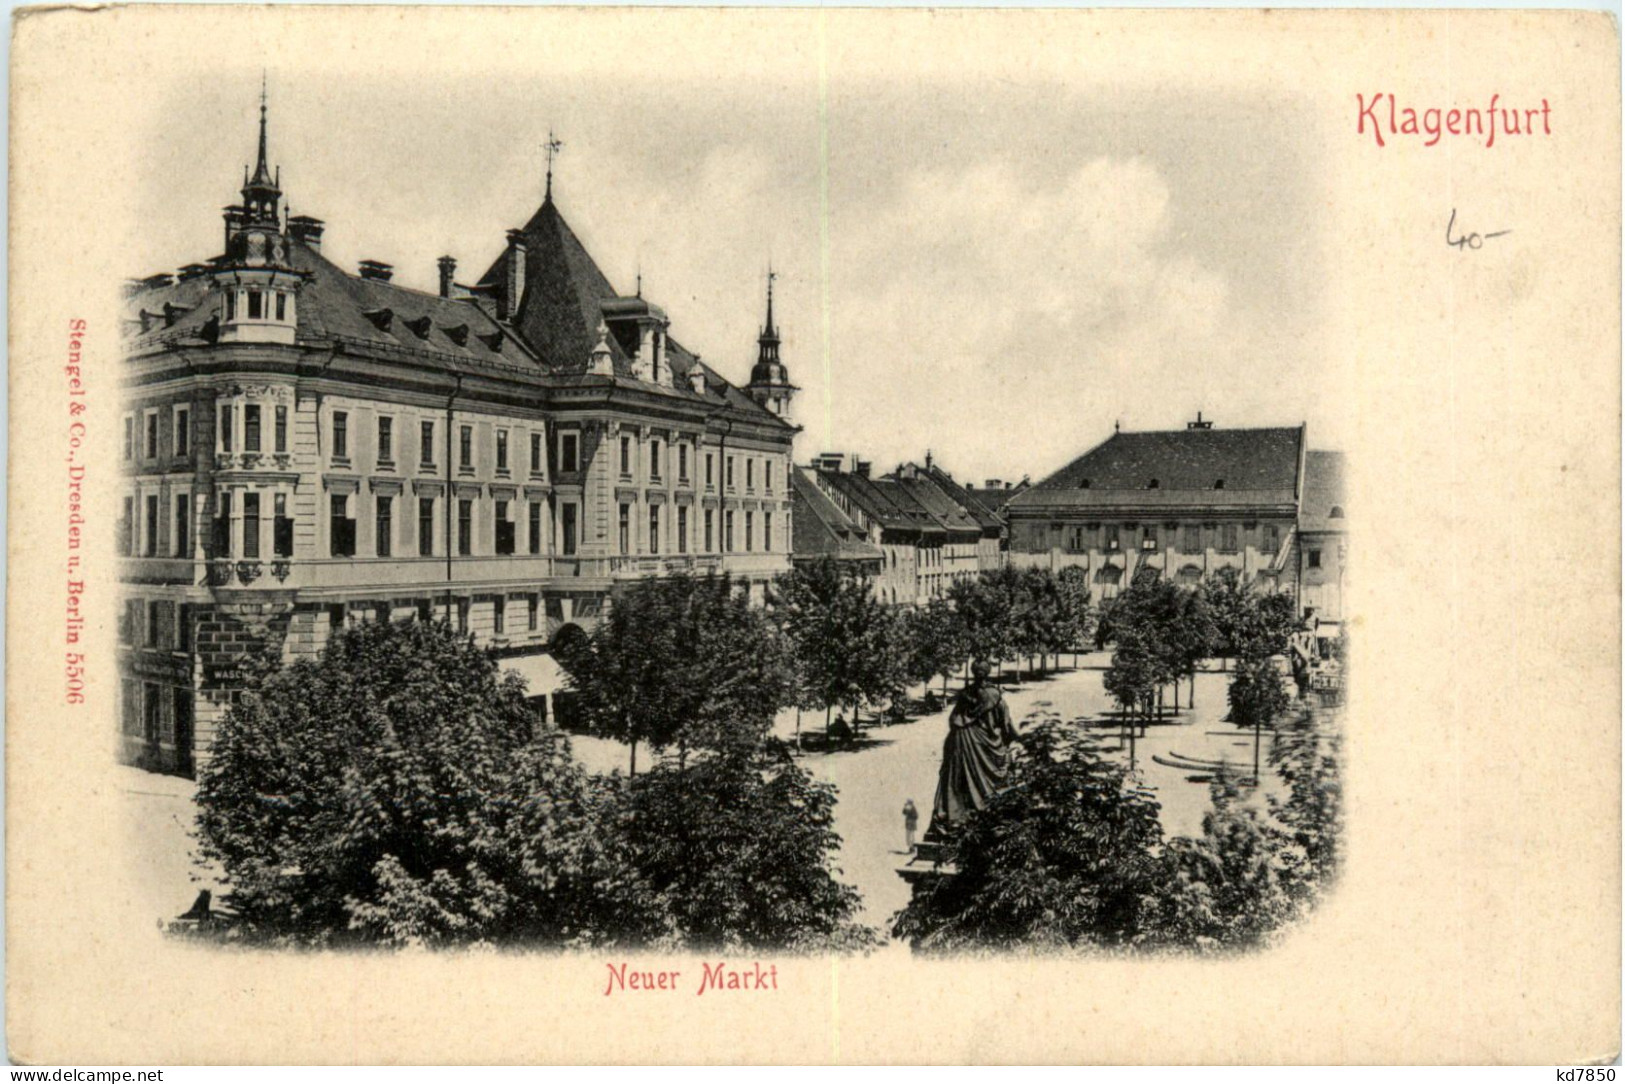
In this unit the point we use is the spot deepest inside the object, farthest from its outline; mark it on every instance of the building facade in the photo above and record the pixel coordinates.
(1185, 503)
(304, 448)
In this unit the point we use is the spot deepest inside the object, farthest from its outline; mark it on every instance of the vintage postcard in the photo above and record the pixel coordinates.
(777, 535)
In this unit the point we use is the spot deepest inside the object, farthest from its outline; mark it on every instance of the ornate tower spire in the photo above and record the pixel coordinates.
(553, 145)
(769, 380)
(262, 194)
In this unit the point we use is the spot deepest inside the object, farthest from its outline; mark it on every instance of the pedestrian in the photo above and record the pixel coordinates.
(911, 821)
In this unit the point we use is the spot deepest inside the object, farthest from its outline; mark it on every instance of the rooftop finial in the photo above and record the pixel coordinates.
(264, 97)
(553, 146)
(771, 275)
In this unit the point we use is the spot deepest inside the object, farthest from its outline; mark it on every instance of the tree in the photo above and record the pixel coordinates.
(937, 642)
(1257, 696)
(740, 846)
(682, 661)
(1307, 752)
(1066, 855)
(392, 791)
(846, 643)
(987, 609)
(1076, 624)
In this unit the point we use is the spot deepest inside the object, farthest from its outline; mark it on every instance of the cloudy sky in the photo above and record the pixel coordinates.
(993, 271)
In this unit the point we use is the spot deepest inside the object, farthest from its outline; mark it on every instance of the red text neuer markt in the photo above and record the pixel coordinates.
(1432, 124)
(718, 976)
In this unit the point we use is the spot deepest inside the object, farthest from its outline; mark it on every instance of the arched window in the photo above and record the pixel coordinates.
(1336, 512)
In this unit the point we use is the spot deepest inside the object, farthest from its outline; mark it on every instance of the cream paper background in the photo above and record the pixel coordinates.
(1479, 916)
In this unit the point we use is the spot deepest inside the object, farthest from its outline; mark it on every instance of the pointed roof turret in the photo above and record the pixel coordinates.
(769, 381)
(262, 193)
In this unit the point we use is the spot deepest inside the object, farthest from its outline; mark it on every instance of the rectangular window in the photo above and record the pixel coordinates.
(1148, 539)
(183, 525)
(1112, 542)
(533, 608)
(626, 528)
(710, 471)
(569, 451)
(750, 475)
(251, 525)
(1272, 539)
(767, 531)
(225, 427)
(730, 472)
(222, 527)
(129, 438)
(654, 528)
(341, 435)
(567, 528)
(386, 440)
(341, 528)
(465, 448)
(462, 615)
(536, 454)
(535, 526)
(183, 431)
(505, 543)
(282, 529)
(384, 523)
(154, 633)
(1193, 538)
(281, 436)
(727, 532)
(654, 459)
(502, 450)
(709, 534)
(682, 530)
(251, 428)
(682, 462)
(767, 475)
(183, 628)
(626, 457)
(1314, 558)
(231, 305)
(499, 615)
(150, 548)
(426, 443)
(1230, 544)
(425, 526)
(281, 305)
(465, 528)
(256, 305)
(750, 520)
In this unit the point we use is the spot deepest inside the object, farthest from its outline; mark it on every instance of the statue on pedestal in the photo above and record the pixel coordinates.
(976, 756)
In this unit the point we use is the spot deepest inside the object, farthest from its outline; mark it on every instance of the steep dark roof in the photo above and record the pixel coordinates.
(335, 304)
(1322, 492)
(996, 499)
(865, 494)
(942, 508)
(965, 498)
(1216, 468)
(821, 529)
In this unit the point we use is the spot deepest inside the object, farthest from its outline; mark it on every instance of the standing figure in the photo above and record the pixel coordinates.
(976, 756)
(911, 821)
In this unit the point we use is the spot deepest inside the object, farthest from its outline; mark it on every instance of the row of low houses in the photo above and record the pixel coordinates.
(305, 447)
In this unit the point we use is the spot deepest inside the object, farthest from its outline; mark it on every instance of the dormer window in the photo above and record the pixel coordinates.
(1219, 484)
(420, 326)
(1153, 484)
(1084, 484)
(1336, 512)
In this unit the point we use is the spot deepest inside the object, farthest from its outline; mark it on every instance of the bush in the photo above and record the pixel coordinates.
(739, 846)
(392, 792)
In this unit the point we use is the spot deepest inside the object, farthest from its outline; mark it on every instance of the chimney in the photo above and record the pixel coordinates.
(513, 285)
(376, 270)
(861, 468)
(696, 378)
(993, 483)
(448, 271)
(234, 216)
(1199, 423)
(307, 230)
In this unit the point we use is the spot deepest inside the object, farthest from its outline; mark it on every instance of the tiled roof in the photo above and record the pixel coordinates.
(966, 498)
(862, 492)
(1217, 468)
(334, 304)
(1322, 492)
(995, 499)
(942, 508)
(821, 529)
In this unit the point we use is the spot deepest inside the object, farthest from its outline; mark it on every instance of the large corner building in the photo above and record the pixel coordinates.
(305, 446)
